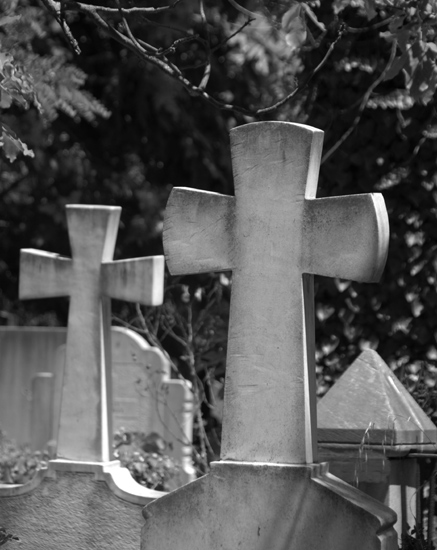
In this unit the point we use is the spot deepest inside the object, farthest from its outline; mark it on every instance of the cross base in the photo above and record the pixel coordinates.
(261, 506)
(73, 505)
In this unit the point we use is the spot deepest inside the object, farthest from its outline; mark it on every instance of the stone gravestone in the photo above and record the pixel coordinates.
(83, 499)
(145, 398)
(368, 425)
(267, 492)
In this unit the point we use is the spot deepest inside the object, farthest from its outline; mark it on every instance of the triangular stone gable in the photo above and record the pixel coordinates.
(369, 405)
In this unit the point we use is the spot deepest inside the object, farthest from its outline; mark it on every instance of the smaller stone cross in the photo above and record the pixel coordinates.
(274, 235)
(90, 278)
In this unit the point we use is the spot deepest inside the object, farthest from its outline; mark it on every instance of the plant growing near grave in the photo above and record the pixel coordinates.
(143, 455)
(19, 464)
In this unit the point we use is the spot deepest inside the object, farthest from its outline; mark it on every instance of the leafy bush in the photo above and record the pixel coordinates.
(19, 464)
(143, 455)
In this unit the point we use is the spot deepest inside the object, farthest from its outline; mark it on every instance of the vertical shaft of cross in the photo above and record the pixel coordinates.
(85, 421)
(270, 386)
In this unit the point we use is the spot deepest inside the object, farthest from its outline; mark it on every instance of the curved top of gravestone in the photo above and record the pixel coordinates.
(369, 405)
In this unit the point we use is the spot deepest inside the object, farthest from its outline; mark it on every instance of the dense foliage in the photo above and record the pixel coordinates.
(19, 464)
(175, 79)
(144, 456)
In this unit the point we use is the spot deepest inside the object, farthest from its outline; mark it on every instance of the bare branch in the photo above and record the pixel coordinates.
(207, 71)
(305, 83)
(57, 10)
(363, 104)
(147, 52)
(71, 4)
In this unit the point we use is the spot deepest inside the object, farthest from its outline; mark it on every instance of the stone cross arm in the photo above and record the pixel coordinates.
(48, 275)
(342, 236)
(274, 235)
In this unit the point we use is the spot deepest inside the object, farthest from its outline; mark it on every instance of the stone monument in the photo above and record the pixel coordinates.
(84, 499)
(268, 492)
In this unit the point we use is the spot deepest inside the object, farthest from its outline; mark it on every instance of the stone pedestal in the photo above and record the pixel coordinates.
(274, 234)
(73, 505)
(255, 506)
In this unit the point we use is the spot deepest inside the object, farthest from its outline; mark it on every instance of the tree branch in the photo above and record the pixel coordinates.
(72, 5)
(154, 56)
(362, 106)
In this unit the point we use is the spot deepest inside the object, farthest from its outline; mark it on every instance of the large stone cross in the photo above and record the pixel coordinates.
(90, 279)
(274, 235)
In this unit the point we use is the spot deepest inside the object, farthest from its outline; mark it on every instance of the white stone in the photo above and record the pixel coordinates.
(84, 500)
(85, 421)
(265, 494)
(274, 234)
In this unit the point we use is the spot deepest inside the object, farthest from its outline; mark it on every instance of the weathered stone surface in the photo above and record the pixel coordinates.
(266, 494)
(369, 405)
(25, 351)
(274, 234)
(267, 507)
(76, 506)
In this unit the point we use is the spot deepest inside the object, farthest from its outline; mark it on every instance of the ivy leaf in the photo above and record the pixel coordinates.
(369, 6)
(12, 145)
(5, 99)
(294, 26)
(9, 19)
(397, 65)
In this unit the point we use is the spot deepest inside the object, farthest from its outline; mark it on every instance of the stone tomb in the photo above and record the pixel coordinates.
(268, 492)
(368, 425)
(83, 499)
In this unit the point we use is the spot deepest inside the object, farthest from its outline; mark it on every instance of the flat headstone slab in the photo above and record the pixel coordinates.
(146, 399)
(94, 507)
(241, 506)
(369, 405)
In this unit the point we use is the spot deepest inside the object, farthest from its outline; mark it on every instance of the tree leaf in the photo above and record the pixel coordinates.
(370, 9)
(294, 26)
(397, 65)
(12, 145)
